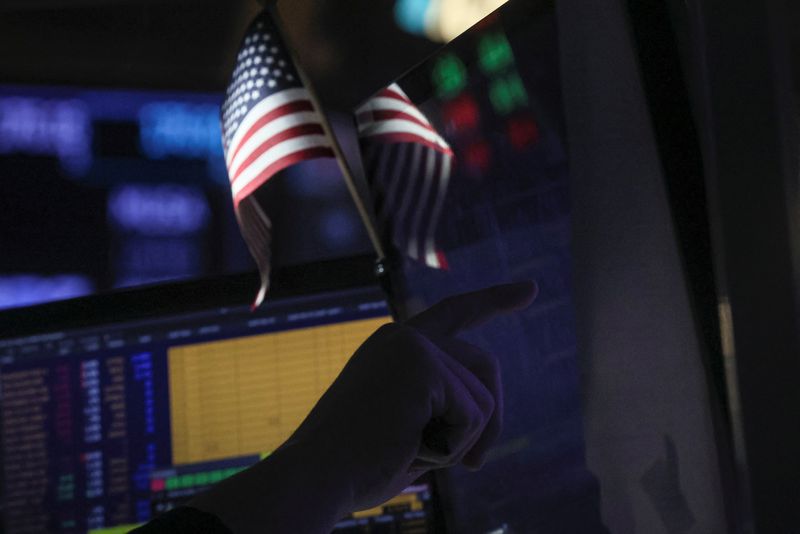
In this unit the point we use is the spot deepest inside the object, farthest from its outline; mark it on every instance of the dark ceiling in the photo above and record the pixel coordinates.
(349, 49)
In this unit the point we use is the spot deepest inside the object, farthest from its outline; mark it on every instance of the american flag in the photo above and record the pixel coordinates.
(268, 123)
(408, 166)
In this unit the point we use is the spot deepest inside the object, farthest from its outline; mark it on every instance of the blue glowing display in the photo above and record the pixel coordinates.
(28, 289)
(134, 189)
(143, 260)
(180, 129)
(50, 127)
(158, 210)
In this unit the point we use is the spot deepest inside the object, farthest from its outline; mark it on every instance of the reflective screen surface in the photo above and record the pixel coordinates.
(494, 96)
(538, 129)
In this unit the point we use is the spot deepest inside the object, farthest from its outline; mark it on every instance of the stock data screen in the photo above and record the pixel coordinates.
(103, 428)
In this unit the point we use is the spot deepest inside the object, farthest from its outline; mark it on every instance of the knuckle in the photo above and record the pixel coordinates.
(409, 346)
(486, 404)
(475, 418)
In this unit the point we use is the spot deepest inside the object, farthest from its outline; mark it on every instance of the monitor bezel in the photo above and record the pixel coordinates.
(178, 297)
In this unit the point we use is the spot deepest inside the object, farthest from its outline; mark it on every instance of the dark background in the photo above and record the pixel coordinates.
(348, 49)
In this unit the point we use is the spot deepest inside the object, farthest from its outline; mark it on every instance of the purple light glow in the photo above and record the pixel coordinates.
(28, 289)
(59, 128)
(181, 130)
(339, 228)
(158, 210)
(149, 260)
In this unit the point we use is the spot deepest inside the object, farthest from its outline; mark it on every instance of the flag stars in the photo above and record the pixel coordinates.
(259, 83)
(272, 83)
(254, 95)
(262, 48)
(264, 71)
(257, 60)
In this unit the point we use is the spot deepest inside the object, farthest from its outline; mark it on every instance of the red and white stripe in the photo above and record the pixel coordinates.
(281, 130)
(390, 115)
(414, 190)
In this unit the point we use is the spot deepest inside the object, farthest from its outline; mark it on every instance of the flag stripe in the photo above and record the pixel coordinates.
(408, 193)
(396, 179)
(267, 105)
(432, 256)
(397, 128)
(292, 158)
(393, 91)
(274, 154)
(269, 122)
(256, 230)
(393, 138)
(381, 115)
(268, 142)
(410, 175)
(392, 104)
(422, 200)
(301, 109)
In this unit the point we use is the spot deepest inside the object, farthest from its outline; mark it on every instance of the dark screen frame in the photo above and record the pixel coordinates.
(175, 298)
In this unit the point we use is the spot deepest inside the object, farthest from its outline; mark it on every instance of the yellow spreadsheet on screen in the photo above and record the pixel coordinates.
(246, 395)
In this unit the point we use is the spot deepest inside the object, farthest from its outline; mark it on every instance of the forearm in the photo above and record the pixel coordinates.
(293, 490)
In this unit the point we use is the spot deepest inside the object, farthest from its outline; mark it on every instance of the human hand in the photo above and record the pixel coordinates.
(412, 398)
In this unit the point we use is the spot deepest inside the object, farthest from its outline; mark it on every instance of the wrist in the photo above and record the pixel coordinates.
(298, 488)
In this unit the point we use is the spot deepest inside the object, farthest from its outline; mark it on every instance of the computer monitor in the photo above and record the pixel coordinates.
(494, 95)
(609, 421)
(116, 408)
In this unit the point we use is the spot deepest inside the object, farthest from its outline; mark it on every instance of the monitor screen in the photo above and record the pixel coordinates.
(494, 96)
(608, 423)
(106, 425)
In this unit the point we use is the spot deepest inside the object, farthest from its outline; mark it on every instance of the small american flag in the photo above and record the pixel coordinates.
(268, 123)
(408, 166)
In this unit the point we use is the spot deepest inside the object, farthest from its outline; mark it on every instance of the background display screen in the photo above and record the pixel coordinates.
(106, 188)
(494, 95)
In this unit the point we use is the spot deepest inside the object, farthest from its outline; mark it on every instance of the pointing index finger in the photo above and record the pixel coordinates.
(461, 312)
